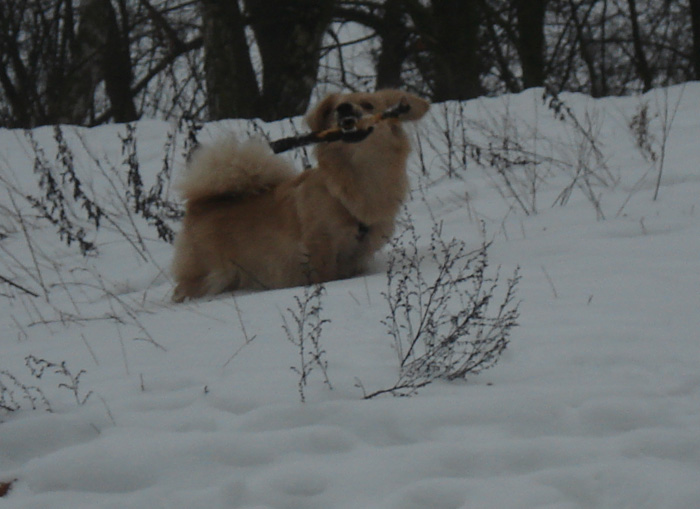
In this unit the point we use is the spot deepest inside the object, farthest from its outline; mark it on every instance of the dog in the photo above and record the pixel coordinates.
(252, 222)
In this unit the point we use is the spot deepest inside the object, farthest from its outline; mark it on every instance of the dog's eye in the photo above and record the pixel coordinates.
(367, 106)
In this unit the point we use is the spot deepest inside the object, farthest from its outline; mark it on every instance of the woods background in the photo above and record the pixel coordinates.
(89, 62)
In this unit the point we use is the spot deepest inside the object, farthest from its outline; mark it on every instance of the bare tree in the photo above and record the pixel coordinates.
(640, 59)
(438, 39)
(232, 88)
(499, 44)
(531, 41)
(394, 36)
(695, 23)
(106, 48)
(449, 32)
(289, 36)
(54, 56)
(514, 38)
(94, 61)
(18, 84)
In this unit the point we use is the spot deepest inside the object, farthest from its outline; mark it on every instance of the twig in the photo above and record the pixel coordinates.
(666, 125)
(248, 339)
(92, 354)
(109, 412)
(551, 283)
(30, 245)
(19, 287)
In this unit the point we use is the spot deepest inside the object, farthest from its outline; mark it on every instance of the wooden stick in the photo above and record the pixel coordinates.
(348, 134)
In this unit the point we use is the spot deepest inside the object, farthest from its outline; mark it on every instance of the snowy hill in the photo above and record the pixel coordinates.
(111, 396)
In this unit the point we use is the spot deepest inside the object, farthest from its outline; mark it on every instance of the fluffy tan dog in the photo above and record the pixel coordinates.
(252, 222)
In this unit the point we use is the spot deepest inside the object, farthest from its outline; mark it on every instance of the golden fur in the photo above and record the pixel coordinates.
(252, 222)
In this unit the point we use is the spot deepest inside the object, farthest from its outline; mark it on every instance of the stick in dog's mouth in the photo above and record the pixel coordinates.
(394, 112)
(352, 122)
(348, 129)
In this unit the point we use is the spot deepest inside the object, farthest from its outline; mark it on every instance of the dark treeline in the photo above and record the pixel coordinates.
(88, 62)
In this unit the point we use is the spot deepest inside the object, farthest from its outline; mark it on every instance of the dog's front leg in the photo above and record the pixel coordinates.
(322, 258)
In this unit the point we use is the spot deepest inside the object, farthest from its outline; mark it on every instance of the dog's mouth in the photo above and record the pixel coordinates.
(347, 123)
(348, 120)
(347, 116)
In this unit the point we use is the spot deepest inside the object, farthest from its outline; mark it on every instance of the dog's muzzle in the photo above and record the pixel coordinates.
(347, 116)
(348, 119)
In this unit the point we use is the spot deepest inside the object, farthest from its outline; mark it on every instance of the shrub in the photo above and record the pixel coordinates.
(446, 319)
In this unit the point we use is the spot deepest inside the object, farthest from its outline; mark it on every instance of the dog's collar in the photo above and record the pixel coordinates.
(362, 227)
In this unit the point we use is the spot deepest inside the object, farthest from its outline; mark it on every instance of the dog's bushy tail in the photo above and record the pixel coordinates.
(229, 167)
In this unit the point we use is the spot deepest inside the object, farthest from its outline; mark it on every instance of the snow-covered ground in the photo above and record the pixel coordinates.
(594, 404)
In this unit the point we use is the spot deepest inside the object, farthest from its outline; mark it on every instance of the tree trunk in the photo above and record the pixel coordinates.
(116, 66)
(232, 88)
(695, 23)
(393, 51)
(640, 58)
(21, 91)
(289, 36)
(531, 42)
(98, 51)
(587, 54)
(451, 36)
(74, 68)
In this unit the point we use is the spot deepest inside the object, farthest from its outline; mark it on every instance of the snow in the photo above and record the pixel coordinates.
(595, 402)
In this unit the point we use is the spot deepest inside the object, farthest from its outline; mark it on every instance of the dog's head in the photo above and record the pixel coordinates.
(347, 110)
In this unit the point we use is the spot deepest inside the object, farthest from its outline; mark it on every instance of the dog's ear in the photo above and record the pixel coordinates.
(318, 117)
(419, 107)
